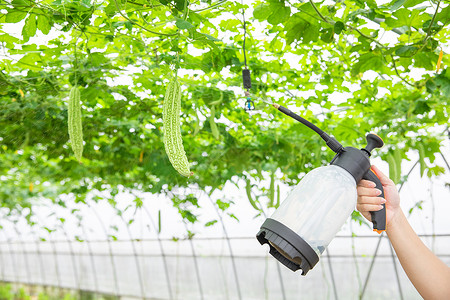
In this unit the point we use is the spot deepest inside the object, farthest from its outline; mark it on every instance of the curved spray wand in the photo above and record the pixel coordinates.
(302, 227)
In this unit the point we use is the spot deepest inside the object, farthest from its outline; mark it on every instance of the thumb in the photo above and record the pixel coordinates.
(383, 178)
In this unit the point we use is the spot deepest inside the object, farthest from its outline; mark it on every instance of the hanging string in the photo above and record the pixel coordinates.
(249, 104)
(245, 35)
(75, 63)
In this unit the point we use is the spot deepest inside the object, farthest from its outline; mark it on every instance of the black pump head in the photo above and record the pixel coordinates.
(356, 161)
(373, 141)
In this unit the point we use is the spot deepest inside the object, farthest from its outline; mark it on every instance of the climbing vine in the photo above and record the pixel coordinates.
(349, 66)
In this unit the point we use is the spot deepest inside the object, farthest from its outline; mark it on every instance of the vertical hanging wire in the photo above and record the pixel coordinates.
(280, 277)
(111, 255)
(396, 271)
(281, 281)
(325, 279)
(72, 256)
(136, 257)
(2, 260)
(163, 255)
(41, 263)
(233, 263)
(11, 254)
(371, 266)
(266, 272)
(197, 270)
(24, 252)
(55, 254)
(245, 35)
(355, 259)
(249, 104)
(75, 63)
(332, 274)
(91, 256)
(194, 255)
(433, 218)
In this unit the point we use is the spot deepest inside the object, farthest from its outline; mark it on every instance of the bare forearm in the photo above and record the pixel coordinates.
(430, 276)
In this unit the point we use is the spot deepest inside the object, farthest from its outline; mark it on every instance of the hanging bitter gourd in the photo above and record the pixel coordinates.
(272, 190)
(212, 123)
(392, 168)
(75, 125)
(423, 165)
(248, 190)
(173, 143)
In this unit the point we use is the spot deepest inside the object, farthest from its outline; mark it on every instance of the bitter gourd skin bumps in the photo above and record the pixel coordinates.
(173, 143)
(75, 125)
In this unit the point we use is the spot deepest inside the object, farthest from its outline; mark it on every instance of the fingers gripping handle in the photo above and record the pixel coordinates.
(378, 217)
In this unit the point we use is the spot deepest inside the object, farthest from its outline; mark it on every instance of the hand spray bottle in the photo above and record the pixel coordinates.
(308, 219)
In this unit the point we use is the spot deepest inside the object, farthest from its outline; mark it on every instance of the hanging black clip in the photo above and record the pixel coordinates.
(246, 78)
(249, 104)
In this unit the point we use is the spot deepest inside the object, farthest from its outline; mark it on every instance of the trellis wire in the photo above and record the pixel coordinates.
(21, 252)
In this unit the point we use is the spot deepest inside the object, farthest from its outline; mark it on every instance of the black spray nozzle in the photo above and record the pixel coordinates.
(331, 142)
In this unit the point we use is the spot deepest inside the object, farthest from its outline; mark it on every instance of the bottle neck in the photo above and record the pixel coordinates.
(354, 161)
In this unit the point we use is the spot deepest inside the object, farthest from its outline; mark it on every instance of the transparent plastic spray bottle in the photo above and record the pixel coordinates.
(308, 219)
(318, 206)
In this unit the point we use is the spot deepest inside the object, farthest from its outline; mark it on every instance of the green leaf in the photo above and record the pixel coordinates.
(182, 24)
(262, 12)
(405, 17)
(31, 61)
(394, 5)
(311, 33)
(338, 27)
(280, 14)
(397, 4)
(9, 40)
(368, 61)
(29, 29)
(43, 24)
(405, 50)
(444, 15)
(231, 25)
(211, 38)
(328, 35)
(417, 205)
(15, 16)
(425, 60)
(210, 223)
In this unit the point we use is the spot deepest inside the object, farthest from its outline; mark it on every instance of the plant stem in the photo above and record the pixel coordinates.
(134, 23)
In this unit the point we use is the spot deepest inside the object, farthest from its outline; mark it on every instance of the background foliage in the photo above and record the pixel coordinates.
(350, 67)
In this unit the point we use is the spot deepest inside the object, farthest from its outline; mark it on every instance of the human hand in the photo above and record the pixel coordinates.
(369, 200)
